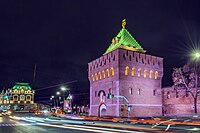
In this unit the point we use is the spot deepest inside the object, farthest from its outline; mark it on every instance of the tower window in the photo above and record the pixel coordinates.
(151, 73)
(139, 72)
(154, 92)
(100, 77)
(112, 71)
(93, 77)
(127, 70)
(133, 71)
(96, 76)
(107, 72)
(131, 91)
(104, 75)
(156, 75)
(139, 91)
(145, 73)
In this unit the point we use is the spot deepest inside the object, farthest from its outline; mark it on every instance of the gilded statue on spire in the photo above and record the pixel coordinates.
(123, 23)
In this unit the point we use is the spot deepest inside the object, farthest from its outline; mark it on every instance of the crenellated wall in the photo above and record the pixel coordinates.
(178, 103)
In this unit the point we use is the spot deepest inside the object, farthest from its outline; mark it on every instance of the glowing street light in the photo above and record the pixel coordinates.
(58, 93)
(52, 96)
(196, 55)
(63, 88)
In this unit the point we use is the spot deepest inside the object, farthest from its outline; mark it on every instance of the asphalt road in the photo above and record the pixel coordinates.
(8, 125)
(32, 124)
(16, 124)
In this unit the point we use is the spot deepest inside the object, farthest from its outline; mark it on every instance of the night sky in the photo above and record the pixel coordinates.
(61, 37)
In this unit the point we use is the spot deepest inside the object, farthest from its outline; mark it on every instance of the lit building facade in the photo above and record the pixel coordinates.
(128, 73)
(20, 97)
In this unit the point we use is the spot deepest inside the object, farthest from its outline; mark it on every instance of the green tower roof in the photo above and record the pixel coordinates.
(18, 86)
(124, 40)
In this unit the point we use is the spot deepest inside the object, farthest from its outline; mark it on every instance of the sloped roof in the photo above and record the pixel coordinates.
(18, 86)
(124, 38)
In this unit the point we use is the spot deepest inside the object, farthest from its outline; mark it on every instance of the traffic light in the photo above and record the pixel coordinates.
(128, 108)
(110, 96)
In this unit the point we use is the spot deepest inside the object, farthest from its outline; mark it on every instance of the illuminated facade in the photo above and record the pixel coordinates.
(20, 97)
(131, 75)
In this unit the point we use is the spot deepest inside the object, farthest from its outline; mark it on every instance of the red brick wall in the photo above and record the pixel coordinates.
(145, 103)
(178, 104)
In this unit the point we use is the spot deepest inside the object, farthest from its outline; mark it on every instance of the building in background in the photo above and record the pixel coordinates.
(130, 77)
(18, 98)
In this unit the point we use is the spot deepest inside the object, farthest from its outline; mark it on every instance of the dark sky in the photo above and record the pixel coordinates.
(61, 37)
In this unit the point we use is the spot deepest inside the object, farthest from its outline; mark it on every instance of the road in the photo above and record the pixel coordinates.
(44, 125)
(32, 124)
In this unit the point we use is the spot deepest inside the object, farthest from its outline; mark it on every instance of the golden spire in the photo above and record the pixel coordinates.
(123, 23)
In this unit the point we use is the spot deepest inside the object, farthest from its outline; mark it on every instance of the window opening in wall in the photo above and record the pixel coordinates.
(139, 72)
(127, 70)
(114, 58)
(93, 77)
(168, 95)
(133, 71)
(156, 75)
(102, 97)
(130, 58)
(107, 72)
(112, 71)
(131, 91)
(154, 92)
(100, 77)
(96, 76)
(104, 75)
(151, 74)
(124, 56)
(145, 73)
(139, 91)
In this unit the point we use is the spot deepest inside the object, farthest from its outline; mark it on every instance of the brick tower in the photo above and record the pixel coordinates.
(131, 76)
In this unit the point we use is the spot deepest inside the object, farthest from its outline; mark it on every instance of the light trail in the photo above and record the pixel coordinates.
(75, 128)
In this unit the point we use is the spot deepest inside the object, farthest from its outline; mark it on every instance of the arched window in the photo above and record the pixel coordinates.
(104, 75)
(100, 77)
(127, 70)
(96, 76)
(139, 91)
(139, 72)
(93, 77)
(145, 73)
(151, 74)
(133, 71)
(107, 72)
(131, 91)
(112, 71)
(156, 75)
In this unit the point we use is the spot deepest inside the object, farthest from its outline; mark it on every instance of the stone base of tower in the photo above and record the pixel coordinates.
(118, 111)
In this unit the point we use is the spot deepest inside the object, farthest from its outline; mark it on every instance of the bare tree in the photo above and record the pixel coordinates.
(188, 78)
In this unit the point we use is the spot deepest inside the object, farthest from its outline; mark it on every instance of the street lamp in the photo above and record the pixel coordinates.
(52, 96)
(63, 88)
(58, 93)
(196, 55)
